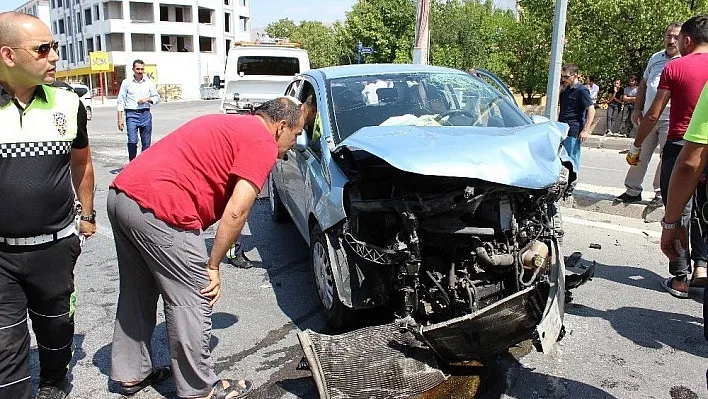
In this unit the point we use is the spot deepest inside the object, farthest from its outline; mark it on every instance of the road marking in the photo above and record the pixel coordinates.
(614, 227)
(596, 168)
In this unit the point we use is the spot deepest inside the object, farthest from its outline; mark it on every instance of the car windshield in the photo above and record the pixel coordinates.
(418, 99)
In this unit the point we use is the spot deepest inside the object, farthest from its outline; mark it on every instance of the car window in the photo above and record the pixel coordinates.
(313, 122)
(80, 91)
(423, 99)
(264, 65)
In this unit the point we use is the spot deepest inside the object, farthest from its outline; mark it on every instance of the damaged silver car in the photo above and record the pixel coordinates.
(427, 191)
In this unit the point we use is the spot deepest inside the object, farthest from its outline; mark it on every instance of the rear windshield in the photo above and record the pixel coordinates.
(264, 65)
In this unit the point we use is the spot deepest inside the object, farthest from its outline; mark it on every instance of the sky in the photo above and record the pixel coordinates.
(264, 12)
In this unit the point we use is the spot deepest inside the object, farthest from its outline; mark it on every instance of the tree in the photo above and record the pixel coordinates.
(469, 35)
(386, 25)
(528, 66)
(281, 28)
(319, 41)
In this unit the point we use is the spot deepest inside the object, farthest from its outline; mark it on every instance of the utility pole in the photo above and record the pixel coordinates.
(422, 33)
(553, 87)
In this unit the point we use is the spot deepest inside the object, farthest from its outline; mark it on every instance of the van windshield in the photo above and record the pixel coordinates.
(264, 65)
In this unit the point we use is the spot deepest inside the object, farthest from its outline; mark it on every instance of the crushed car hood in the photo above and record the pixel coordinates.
(526, 156)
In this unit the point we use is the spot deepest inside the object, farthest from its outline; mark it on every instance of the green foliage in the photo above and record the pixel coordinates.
(469, 34)
(386, 25)
(281, 28)
(606, 38)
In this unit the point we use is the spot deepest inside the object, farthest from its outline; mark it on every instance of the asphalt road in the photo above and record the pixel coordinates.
(626, 337)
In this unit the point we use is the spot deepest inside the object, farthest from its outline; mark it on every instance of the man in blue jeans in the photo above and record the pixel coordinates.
(135, 97)
(576, 109)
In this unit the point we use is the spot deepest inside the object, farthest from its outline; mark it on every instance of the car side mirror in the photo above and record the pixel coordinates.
(302, 142)
(217, 82)
(538, 119)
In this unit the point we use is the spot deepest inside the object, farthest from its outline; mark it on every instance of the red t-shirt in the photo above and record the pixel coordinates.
(187, 178)
(684, 77)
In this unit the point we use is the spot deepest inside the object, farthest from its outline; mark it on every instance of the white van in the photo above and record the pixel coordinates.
(258, 72)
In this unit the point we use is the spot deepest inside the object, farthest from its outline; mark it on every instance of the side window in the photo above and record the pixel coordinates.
(313, 122)
(292, 89)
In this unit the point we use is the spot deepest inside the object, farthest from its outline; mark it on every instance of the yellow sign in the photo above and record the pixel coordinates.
(99, 61)
(151, 72)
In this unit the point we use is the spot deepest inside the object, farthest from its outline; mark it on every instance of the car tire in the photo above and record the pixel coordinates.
(89, 113)
(277, 209)
(338, 315)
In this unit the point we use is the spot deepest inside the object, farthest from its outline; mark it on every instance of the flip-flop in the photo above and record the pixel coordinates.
(157, 375)
(234, 387)
(667, 286)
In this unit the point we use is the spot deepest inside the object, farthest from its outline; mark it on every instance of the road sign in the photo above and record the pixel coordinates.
(367, 50)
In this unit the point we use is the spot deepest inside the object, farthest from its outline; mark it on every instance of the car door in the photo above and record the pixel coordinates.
(283, 170)
(304, 165)
(495, 82)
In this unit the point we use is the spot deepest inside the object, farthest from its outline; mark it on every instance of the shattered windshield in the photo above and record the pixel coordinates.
(418, 99)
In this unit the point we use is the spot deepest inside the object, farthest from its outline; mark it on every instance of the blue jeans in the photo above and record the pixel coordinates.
(572, 147)
(138, 121)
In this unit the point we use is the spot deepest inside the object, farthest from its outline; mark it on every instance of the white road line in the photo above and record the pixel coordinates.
(596, 168)
(609, 226)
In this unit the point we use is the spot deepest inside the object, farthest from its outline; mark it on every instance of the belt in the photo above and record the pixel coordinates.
(138, 110)
(41, 239)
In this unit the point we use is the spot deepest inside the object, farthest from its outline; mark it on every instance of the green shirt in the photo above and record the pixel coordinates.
(697, 131)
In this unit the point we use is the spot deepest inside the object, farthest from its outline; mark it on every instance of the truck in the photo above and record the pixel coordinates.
(256, 72)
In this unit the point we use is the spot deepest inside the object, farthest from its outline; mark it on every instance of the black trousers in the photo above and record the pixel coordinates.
(37, 280)
(698, 248)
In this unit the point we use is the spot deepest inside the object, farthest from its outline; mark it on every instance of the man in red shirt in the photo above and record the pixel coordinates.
(681, 82)
(210, 169)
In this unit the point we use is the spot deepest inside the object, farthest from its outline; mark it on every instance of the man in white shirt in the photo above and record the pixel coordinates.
(645, 96)
(134, 99)
(593, 88)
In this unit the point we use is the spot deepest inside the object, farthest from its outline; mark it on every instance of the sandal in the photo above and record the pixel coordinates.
(668, 285)
(700, 277)
(157, 375)
(241, 388)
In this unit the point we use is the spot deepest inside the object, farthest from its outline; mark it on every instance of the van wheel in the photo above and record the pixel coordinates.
(277, 210)
(89, 113)
(337, 314)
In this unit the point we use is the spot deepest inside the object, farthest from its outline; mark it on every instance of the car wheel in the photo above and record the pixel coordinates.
(338, 315)
(277, 210)
(89, 113)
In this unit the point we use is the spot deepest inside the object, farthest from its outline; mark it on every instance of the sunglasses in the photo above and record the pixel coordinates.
(43, 49)
(565, 76)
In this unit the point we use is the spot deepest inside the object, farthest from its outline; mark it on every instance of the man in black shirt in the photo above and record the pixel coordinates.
(576, 109)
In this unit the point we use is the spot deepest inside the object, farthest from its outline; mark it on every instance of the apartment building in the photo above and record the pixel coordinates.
(183, 43)
(38, 8)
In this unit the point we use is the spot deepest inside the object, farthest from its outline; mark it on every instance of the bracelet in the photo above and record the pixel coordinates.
(211, 268)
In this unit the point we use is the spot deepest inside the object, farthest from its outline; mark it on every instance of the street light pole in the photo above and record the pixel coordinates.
(422, 33)
(553, 87)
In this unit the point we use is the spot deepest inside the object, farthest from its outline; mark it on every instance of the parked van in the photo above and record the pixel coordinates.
(257, 72)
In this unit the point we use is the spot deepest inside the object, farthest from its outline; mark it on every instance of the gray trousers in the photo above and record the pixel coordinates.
(157, 259)
(635, 174)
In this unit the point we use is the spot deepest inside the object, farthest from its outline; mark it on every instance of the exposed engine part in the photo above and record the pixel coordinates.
(499, 260)
(535, 255)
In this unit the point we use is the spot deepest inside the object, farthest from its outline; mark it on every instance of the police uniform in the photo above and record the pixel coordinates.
(39, 243)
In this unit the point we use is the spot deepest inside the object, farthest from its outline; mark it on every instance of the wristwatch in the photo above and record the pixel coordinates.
(670, 226)
(89, 218)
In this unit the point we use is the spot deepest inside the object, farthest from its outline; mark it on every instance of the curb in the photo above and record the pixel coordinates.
(605, 203)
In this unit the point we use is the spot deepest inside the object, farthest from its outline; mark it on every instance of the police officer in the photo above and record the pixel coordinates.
(43, 150)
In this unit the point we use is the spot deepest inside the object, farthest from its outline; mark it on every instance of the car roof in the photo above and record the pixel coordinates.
(344, 71)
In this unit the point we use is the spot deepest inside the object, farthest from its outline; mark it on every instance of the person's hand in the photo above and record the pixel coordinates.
(213, 290)
(673, 241)
(120, 125)
(87, 229)
(636, 117)
(584, 134)
(633, 155)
